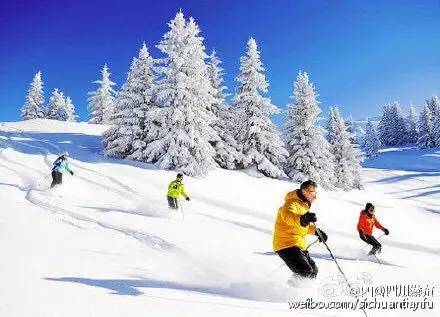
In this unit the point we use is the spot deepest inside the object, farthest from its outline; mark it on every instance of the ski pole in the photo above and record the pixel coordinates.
(312, 244)
(336, 262)
(377, 259)
(181, 209)
(42, 181)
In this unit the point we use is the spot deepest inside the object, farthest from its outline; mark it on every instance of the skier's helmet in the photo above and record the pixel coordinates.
(180, 175)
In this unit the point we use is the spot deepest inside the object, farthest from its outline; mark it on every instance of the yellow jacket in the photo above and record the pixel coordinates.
(288, 231)
(175, 189)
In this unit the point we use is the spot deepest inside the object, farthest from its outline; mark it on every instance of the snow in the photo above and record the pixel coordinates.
(407, 158)
(105, 243)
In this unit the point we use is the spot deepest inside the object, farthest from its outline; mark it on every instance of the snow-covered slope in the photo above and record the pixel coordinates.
(105, 243)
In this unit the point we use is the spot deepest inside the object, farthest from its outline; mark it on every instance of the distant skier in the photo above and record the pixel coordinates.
(60, 166)
(175, 189)
(293, 223)
(367, 220)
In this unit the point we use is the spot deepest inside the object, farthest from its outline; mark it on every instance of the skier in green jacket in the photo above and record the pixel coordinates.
(175, 189)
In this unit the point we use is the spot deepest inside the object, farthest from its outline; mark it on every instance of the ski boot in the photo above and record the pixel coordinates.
(374, 250)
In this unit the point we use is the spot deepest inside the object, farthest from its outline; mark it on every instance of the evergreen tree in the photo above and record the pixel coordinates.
(33, 108)
(434, 107)
(372, 142)
(185, 92)
(331, 127)
(350, 128)
(56, 107)
(426, 139)
(261, 144)
(309, 151)
(226, 148)
(386, 132)
(401, 126)
(128, 136)
(101, 101)
(412, 133)
(392, 126)
(346, 155)
(70, 110)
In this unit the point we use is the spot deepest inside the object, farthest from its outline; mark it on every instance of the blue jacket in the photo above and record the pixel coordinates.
(61, 165)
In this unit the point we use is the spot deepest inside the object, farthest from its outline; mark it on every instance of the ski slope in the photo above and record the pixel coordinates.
(105, 243)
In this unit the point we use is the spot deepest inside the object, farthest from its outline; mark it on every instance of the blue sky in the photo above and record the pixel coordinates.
(359, 54)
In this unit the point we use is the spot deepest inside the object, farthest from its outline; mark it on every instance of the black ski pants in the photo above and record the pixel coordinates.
(57, 178)
(172, 202)
(299, 261)
(370, 240)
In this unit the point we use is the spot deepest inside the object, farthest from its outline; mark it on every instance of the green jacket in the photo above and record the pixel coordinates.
(175, 189)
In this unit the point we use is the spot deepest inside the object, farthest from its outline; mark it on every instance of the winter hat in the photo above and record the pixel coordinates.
(368, 206)
(179, 175)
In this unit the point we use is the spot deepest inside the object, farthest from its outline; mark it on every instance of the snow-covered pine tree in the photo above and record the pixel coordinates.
(33, 108)
(434, 107)
(70, 110)
(346, 155)
(372, 143)
(392, 126)
(127, 137)
(227, 154)
(350, 128)
(185, 93)
(309, 151)
(411, 123)
(101, 101)
(400, 125)
(260, 139)
(385, 127)
(426, 139)
(331, 127)
(62, 108)
(56, 106)
(335, 137)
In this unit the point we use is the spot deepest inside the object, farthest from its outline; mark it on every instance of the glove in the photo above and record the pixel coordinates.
(361, 235)
(307, 218)
(187, 199)
(320, 234)
(387, 232)
(71, 172)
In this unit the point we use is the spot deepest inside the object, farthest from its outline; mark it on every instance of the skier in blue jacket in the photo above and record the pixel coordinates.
(60, 166)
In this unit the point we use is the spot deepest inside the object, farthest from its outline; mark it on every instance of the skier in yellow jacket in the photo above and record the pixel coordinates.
(293, 223)
(175, 189)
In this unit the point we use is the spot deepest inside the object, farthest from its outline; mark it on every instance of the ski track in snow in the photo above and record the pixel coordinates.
(59, 151)
(149, 240)
(126, 192)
